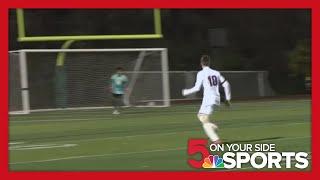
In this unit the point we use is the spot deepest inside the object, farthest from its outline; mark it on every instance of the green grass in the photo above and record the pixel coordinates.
(149, 138)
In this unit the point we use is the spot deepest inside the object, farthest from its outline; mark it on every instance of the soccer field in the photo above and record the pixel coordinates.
(149, 138)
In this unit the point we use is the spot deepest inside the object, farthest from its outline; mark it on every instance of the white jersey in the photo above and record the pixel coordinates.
(210, 80)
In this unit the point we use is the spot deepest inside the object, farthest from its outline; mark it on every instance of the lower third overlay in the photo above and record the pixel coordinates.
(204, 155)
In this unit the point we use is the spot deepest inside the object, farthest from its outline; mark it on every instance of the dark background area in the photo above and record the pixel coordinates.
(276, 40)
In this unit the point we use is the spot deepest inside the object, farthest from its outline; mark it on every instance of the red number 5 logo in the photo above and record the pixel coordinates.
(196, 146)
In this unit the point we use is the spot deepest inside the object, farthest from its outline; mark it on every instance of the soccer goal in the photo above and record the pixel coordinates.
(52, 79)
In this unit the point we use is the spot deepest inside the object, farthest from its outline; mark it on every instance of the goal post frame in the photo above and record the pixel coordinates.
(165, 77)
(23, 69)
(22, 37)
(24, 82)
(23, 74)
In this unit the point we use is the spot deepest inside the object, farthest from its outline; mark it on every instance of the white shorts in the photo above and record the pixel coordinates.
(206, 109)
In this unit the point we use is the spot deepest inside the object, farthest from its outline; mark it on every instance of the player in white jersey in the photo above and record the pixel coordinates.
(210, 80)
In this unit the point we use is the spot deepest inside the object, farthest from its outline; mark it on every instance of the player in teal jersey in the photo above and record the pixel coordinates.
(118, 87)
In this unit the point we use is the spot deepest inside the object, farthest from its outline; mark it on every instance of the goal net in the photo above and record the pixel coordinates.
(51, 79)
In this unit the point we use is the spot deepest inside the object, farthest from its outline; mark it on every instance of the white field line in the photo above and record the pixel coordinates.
(102, 117)
(124, 137)
(16, 143)
(60, 120)
(120, 137)
(90, 119)
(99, 155)
(88, 116)
(281, 139)
(32, 147)
(274, 101)
(27, 146)
(236, 103)
(89, 108)
(115, 154)
(165, 134)
(82, 108)
(93, 118)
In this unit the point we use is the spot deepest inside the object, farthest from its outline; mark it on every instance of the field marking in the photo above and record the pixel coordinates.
(275, 101)
(101, 119)
(129, 113)
(86, 119)
(96, 119)
(63, 115)
(164, 134)
(119, 137)
(98, 155)
(44, 146)
(59, 120)
(281, 139)
(16, 143)
(35, 145)
(116, 154)
(122, 137)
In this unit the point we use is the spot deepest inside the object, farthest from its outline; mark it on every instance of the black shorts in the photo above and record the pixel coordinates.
(117, 95)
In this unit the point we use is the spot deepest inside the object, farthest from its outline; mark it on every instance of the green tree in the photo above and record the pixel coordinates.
(300, 60)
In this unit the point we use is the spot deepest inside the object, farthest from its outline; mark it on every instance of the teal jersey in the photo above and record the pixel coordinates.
(118, 83)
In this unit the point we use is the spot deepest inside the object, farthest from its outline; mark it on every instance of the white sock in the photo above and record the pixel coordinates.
(209, 129)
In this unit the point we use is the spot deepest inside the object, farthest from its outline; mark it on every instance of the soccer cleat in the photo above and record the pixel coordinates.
(183, 92)
(116, 112)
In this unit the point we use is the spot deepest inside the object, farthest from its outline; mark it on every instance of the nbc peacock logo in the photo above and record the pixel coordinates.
(213, 161)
